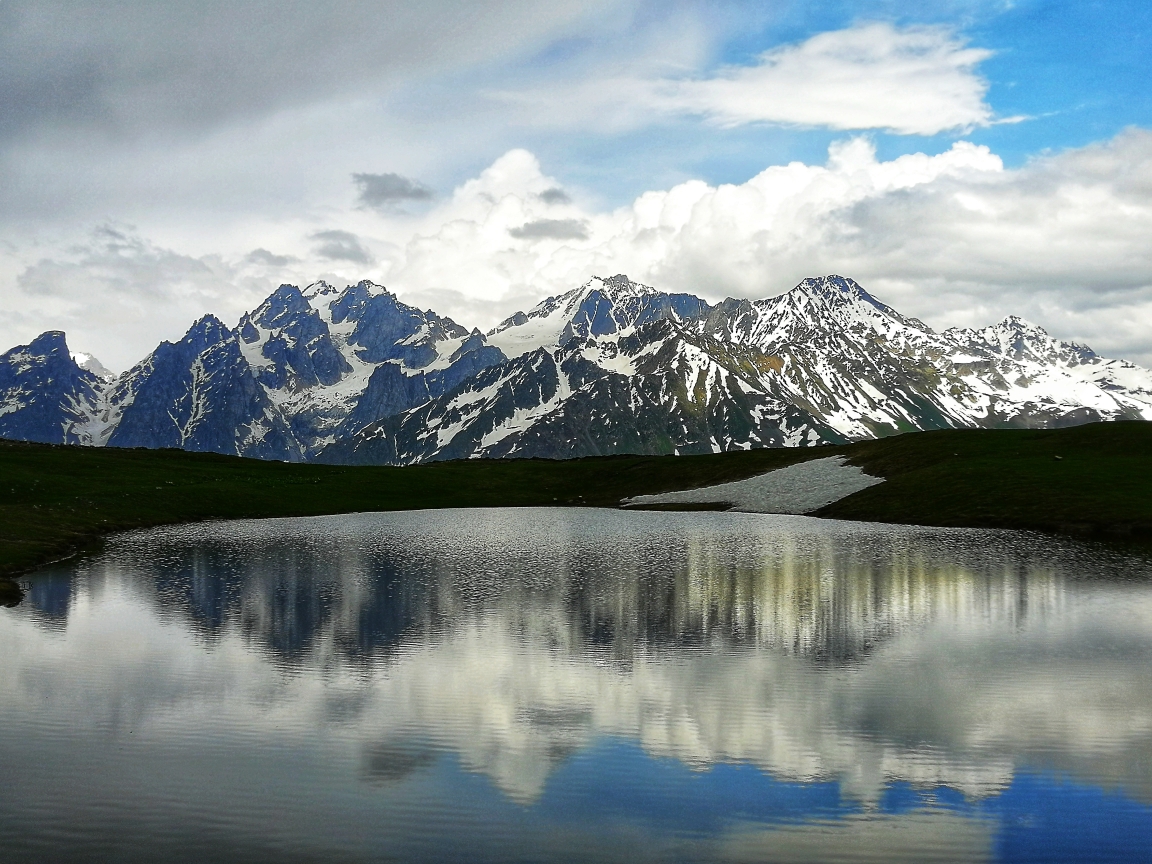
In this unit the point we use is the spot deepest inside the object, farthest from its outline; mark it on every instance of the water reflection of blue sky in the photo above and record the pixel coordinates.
(1037, 817)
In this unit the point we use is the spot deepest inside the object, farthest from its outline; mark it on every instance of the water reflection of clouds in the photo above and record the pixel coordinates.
(814, 652)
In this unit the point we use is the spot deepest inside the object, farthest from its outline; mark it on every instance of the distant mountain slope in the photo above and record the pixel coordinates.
(354, 375)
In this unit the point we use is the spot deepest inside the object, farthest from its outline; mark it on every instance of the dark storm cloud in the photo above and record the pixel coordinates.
(138, 65)
(381, 190)
(341, 246)
(554, 229)
(263, 256)
(555, 196)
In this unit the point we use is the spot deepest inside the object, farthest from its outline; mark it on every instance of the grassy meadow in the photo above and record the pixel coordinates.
(1093, 480)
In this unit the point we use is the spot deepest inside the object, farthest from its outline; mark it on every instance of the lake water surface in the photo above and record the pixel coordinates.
(579, 685)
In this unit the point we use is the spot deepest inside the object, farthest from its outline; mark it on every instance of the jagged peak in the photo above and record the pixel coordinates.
(1019, 338)
(839, 295)
(207, 320)
(514, 320)
(721, 317)
(208, 328)
(1016, 324)
(320, 288)
(285, 297)
(49, 341)
(618, 286)
(613, 288)
(1008, 330)
(89, 363)
(835, 289)
(361, 292)
(374, 289)
(286, 289)
(1015, 331)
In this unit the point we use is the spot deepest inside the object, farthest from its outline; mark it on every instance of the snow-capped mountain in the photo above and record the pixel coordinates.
(90, 364)
(44, 395)
(601, 307)
(196, 394)
(354, 375)
(824, 363)
(866, 370)
(334, 360)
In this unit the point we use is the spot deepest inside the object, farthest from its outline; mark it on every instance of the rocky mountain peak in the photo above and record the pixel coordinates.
(1020, 339)
(280, 307)
(209, 330)
(373, 288)
(599, 307)
(835, 293)
(48, 342)
(320, 288)
(44, 395)
(619, 286)
(89, 363)
(728, 318)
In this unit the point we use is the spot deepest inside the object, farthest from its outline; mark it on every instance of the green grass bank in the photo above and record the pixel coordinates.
(1090, 480)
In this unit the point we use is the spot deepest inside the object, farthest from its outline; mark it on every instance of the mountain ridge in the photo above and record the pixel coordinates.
(354, 375)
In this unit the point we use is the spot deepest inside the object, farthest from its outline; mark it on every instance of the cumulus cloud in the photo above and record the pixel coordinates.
(953, 238)
(383, 190)
(341, 246)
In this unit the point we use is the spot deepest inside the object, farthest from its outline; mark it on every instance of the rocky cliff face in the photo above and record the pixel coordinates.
(354, 375)
(198, 394)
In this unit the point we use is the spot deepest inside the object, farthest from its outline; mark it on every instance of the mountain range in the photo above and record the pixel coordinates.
(355, 376)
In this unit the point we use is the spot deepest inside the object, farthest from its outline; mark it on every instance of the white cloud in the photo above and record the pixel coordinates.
(953, 238)
(117, 294)
(910, 81)
(915, 81)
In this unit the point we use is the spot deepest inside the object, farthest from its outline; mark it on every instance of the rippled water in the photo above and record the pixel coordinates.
(571, 685)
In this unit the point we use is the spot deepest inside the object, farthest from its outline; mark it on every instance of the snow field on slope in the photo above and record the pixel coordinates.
(794, 490)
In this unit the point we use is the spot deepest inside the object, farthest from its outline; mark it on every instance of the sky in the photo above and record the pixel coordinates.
(962, 159)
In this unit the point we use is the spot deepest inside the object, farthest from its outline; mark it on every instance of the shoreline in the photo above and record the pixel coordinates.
(1090, 482)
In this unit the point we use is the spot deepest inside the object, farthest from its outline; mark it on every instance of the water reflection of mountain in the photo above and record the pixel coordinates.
(815, 652)
(48, 597)
(819, 596)
(288, 599)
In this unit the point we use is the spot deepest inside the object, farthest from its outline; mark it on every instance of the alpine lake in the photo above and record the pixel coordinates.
(515, 685)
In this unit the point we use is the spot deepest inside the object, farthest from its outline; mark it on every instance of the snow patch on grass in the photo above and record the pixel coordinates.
(796, 489)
